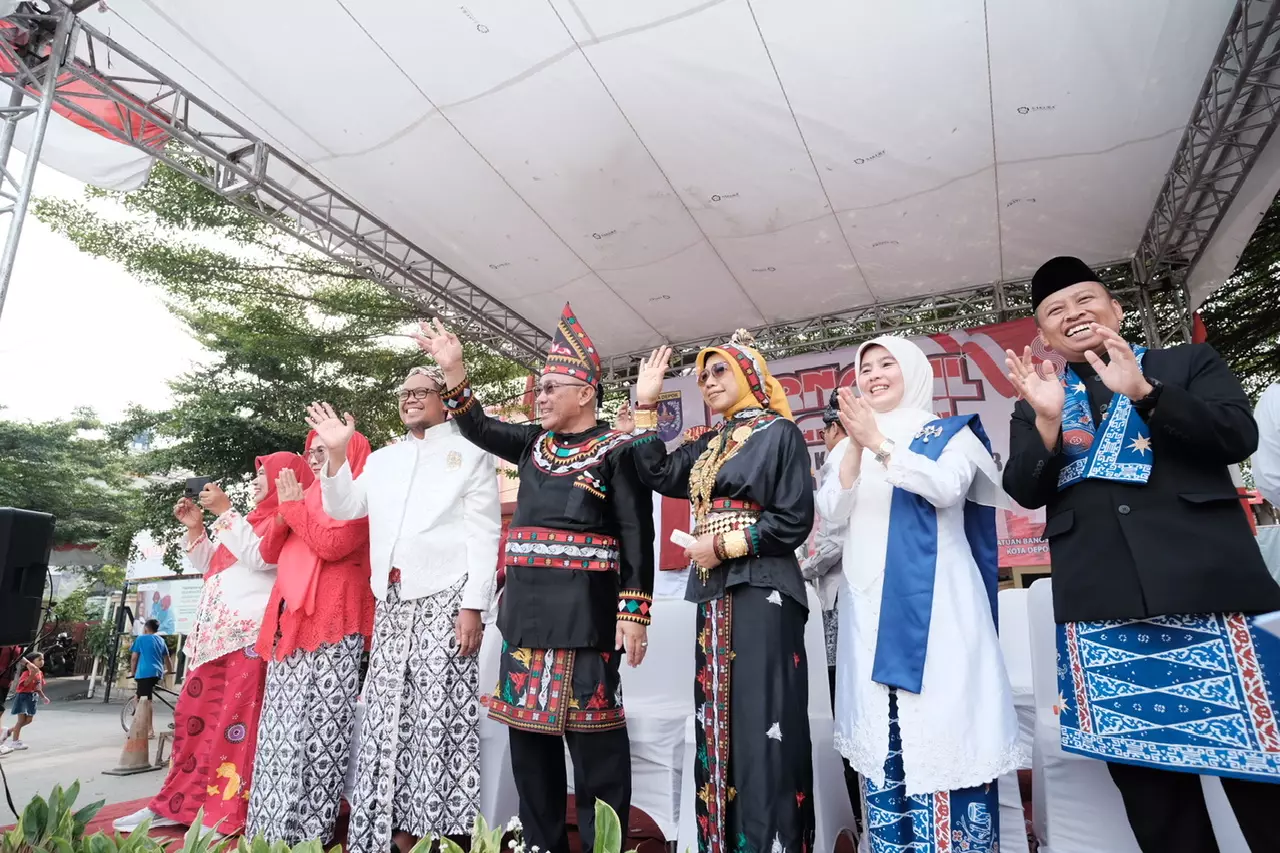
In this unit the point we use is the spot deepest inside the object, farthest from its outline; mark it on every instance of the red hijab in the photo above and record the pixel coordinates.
(299, 568)
(262, 517)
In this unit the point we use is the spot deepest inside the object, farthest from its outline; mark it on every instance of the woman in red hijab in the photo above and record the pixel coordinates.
(216, 721)
(317, 625)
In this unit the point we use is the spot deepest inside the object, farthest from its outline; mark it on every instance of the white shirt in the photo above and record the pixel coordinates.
(1266, 461)
(233, 601)
(823, 566)
(433, 514)
(961, 729)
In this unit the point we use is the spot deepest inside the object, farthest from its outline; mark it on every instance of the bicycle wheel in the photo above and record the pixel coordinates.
(126, 713)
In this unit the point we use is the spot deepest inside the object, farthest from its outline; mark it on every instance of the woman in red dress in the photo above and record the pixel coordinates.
(216, 721)
(316, 629)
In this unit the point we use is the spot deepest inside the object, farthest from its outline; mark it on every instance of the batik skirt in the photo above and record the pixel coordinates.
(418, 766)
(1189, 693)
(215, 735)
(754, 766)
(304, 742)
(964, 821)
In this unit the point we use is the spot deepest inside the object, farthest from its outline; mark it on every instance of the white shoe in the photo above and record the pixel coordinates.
(5, 749)
(128, 823)
(17, 744)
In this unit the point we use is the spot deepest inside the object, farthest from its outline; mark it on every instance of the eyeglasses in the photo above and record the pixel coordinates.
(415, 393)
(717, 370)
(546, 389)
(317, 453)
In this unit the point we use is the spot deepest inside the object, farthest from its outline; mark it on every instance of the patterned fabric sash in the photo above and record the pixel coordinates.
(1189, 693)
(1122, 453)
(911, 563)
(720, 521)
(560, 549)
(551, 691)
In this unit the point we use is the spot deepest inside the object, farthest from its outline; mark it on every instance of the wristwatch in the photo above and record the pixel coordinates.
(882, 453)
(1149, 402)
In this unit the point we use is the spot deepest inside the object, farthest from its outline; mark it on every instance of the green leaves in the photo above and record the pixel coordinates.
(608, 829)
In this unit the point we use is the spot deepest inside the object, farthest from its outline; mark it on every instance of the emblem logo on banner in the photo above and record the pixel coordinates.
(670, 416)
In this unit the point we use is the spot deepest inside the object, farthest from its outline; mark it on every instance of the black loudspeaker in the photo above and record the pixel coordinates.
(26, 540)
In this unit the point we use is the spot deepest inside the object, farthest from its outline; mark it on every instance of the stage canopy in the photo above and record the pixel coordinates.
(677, 169)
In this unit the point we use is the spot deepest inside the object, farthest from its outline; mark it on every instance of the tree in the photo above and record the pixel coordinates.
(66, 468)
(283, 326)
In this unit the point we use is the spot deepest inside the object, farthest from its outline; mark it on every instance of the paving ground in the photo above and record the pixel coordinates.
(73, 738)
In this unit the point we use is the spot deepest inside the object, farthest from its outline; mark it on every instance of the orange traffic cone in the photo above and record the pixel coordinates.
(136, 755)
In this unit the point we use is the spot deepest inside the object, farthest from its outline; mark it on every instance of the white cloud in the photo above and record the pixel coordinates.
(80, 331)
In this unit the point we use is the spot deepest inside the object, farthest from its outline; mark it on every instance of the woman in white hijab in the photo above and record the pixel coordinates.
(924, 710)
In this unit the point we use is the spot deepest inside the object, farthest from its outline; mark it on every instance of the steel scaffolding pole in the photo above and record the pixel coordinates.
(17, 193)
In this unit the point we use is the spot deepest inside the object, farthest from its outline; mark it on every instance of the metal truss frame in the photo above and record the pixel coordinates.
(250, 173)
(1234, 117)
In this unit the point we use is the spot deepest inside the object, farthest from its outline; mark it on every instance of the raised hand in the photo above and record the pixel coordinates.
(1044, 393)
(441, 344)
(335, 432)
(188, 514)
(287, 487)
(652, 371)
(626, 421)
(1121, 373)
(859, 420)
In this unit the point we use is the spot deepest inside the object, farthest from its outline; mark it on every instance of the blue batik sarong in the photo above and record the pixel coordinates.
(1189, 693)
(961, 821)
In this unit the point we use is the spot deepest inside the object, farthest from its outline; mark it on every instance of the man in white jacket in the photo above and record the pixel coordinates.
(434, 524)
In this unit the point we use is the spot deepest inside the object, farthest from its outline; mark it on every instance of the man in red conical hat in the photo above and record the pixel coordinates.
(579, 584)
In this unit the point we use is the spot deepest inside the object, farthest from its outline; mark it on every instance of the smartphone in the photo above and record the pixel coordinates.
(195, 485)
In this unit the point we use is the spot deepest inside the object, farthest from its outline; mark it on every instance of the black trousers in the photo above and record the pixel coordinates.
(850, 775)
(601, 770)
(1167, 811)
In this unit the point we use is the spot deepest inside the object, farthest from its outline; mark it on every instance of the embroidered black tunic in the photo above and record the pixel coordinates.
(771, 471)
(582, 483)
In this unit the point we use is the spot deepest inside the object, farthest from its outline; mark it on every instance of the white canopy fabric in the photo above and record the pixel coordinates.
(677, 169)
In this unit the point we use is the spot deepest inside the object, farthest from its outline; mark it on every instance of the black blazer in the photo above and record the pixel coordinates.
(1180, 543)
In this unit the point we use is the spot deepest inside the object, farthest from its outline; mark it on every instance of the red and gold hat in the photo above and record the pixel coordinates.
(572, 353)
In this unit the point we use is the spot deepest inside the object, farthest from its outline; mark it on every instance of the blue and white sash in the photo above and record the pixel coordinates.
(911, 562)
(1121, 453)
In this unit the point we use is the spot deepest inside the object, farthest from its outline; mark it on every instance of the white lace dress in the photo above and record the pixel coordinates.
(960, 730)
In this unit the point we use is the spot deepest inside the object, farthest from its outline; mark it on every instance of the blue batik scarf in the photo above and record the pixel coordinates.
(911, 563)
(1120, 451)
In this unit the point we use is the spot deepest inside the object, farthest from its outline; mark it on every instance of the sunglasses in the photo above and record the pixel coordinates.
(719, 369)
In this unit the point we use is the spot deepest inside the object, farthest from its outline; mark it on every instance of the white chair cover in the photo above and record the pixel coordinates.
(1015, 645)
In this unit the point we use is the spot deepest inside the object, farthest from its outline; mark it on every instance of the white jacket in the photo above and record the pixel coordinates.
(433, 502)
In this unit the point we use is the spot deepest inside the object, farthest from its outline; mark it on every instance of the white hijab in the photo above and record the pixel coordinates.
(915, 409)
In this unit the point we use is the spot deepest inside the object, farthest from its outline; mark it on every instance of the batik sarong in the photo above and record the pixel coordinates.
(418, 765)
(961, 821)
(304, 742)
(215, 736)
(1190, 693)
(754, 766)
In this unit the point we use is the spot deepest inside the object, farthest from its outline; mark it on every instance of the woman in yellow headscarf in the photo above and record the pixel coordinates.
(752, 493)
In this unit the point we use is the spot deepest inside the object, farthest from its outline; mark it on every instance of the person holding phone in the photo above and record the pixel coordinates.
(216, 720)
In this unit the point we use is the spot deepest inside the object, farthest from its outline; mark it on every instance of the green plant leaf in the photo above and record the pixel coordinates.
(423, 845)
(259, 845)
(34, 818)
(69, 798)
(608, 829)
(99, 843)
(82, 817)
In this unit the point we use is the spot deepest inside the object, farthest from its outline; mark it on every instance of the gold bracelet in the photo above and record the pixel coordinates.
(646, 418)
(735, 544)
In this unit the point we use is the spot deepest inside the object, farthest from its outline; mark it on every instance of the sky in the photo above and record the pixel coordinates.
(80, 331)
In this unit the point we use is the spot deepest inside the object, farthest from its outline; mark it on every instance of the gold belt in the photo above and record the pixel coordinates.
(718, 523)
